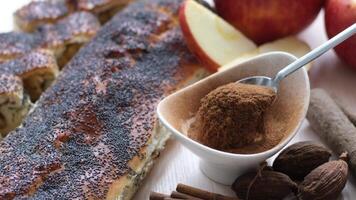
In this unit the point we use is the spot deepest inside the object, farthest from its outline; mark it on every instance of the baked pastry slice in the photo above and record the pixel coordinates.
(14, 44)
(32, 56)
(14, 103)
(66, 36)
(104, 9)
(36, 13)
(37, 69)
(63, 38)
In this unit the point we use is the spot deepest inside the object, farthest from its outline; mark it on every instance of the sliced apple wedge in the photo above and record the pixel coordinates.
(290, 45)
(214, 41)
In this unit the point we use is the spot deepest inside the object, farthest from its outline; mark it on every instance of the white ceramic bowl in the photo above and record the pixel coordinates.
(292, 103)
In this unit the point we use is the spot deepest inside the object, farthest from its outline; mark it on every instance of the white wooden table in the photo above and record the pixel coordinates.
(178, 165)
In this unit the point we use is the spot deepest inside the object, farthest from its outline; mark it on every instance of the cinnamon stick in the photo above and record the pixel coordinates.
(202, 194)
(175, 194)
(348, 113)
(158, 196)
(332, 125)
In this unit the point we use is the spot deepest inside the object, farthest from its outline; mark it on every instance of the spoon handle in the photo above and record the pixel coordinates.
(316, 53)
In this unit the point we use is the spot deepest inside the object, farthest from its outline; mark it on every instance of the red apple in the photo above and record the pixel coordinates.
(340, 14)
(267, 20)
(214, 41)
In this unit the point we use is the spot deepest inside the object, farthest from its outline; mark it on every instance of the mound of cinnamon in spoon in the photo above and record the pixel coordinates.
(232, 116)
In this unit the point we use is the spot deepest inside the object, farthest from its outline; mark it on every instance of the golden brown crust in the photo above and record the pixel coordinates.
(67, 36)
(78, 27)
(30, 16)
(100, 113)
(38, 69)
(13, 44)
(35, 72)
(38, 13)
(14, 104)
(39, 60)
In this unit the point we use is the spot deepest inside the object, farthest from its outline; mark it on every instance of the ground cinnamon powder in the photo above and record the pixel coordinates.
(232, 117)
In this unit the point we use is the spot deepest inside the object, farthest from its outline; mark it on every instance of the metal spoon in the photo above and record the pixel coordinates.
(274, 82)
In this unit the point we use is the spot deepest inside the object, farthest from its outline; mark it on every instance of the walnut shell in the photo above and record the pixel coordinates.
(269, 185)
(325, 182)
(299, 159)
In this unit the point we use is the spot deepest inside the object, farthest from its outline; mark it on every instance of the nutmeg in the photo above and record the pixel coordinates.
(326, 182)
(264, 185)
(299, 159)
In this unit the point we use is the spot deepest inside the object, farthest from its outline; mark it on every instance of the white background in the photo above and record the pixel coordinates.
(178, 165)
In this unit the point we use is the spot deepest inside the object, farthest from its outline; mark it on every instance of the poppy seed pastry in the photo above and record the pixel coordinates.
(14, 44)
(14, 103)
(22, 80)
(63, 38)
(34, 57)
(37, 13)
(69, 32)
(94, 133)
(38, 69)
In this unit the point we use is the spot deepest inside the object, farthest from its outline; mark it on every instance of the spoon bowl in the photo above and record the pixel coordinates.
(260, 80)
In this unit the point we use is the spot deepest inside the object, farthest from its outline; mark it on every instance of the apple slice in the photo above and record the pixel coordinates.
(214, 41)
(290, 45)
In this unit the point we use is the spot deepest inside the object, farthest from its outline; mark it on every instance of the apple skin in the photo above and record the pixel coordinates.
(340, 14)
(210, 64)
(268, 20)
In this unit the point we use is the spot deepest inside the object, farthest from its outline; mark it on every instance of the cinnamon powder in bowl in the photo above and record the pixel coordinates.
(178, 112)
(281, 121)
(232, 118)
